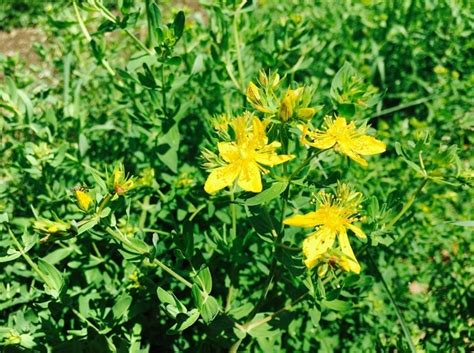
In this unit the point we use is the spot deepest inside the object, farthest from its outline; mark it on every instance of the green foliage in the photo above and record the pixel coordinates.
(108, 241)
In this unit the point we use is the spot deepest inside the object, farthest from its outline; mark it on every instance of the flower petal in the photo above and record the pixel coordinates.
(249, 178)
(271, 158)
(348, 253)
(357, 231)
(228, 151)
(259, 132)
(323, 141)
(317, 245)
(310, 219)
(222, 177)
(346, 148)
(368, 145)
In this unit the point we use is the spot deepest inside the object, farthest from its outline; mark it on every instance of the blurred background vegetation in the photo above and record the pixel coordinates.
(70, 107)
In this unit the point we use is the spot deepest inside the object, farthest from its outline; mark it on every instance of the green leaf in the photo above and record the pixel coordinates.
(315, 316)
(165, 297)
(54, 278)
(205, 280)
(207, 304)
(174, 61)
(262, 222)
(340, 79)
(275, 190)
(262, 330)
(336, 304)
(13, 255)
(58, 255)
(184, 321)
(136, 246)
(346, 110)
(178, 24)
(147, 78)
(121, 306)
(83, 144)
(3, 217)
(464, 223)
(168, 146)
(198, 65)
(87, 226)
(154, 21)
(209, 309)
(197, 295)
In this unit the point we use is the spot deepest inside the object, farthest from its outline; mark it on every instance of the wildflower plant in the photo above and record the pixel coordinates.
(236, 176)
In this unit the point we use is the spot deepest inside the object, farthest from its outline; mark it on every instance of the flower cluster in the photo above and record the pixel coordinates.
(290, 104)
(246, 149)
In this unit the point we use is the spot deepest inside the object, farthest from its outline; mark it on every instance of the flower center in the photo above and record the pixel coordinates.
(333, 218)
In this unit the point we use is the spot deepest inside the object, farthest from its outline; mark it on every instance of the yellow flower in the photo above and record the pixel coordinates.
(122, 183)
(84, 200)
(245, 156)
(344, 138)
(332, 218)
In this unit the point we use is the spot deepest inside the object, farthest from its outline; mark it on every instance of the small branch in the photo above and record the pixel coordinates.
(155, 261)
(172, 273)
(28, 258)
(235, 29)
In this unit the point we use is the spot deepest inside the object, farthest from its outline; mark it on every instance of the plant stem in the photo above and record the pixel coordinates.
(107, 14)
(143, 215)
(172, 273)
(404, 106)
(91, 325)
(81, 22)
(163, 89)
(235, 29)
(28, 258)
(405, 330)
(122, 239)
(84, 30)
(407, 205)
(233, 214)
(309, 157)
(104, 203)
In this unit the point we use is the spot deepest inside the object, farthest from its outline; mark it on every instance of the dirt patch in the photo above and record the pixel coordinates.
(20, 41)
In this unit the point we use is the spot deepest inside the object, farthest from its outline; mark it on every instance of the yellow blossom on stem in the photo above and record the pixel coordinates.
(332, 218)
(122, 183)
(344, 138)
(84, 200)
(245, 156)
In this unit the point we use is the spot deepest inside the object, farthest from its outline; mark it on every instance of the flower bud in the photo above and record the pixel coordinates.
(253, 94)
(322, 269)
(50, 227)
(84, 200)
(306, 113)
